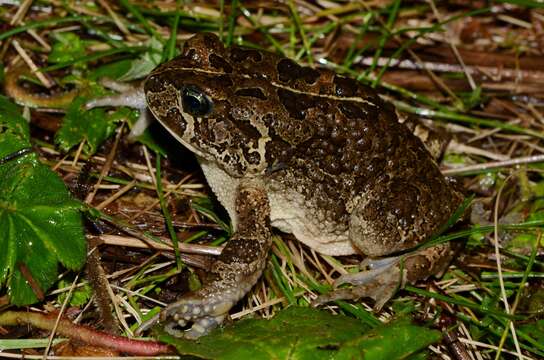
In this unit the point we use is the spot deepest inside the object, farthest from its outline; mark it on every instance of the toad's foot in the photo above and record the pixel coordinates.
(132, 97)
(201, 311)
(384, 277)
(205, 309)
(233, 274)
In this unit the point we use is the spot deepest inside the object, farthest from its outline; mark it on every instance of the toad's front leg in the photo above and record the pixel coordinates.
(132, 97)
(233, 274)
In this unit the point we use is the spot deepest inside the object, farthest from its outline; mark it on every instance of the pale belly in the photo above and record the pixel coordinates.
(287, 213)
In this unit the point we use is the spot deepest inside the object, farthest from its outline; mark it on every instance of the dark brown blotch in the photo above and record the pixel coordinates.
(288, 70)
(278, 150)
(253, 158)
(309, 75)
(269, 119)
(345, 87)
(251, 92)
(333, 167)
(245, 129)
(296, 104)
(219, 63)
(223, 82)
(189, 54)
(238, 54)
(351, 110)
(376, 165)
(175, 120)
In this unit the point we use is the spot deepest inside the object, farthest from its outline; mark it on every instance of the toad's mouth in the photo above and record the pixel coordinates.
(188, 134)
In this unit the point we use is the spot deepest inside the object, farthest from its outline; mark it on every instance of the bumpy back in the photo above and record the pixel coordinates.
(327, 136)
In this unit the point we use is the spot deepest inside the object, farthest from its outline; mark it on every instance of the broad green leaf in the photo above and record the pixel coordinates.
(295, 333)
(14, 133)
(396, 340)
(112, 70)
(40, 224)
(524, 241)
(93, 126)
(305, 333)
(149, 60)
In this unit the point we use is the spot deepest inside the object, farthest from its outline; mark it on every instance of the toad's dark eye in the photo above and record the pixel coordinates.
(195, 102)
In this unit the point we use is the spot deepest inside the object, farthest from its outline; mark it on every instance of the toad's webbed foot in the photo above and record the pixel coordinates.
(233, 274)
(384, 277)
(132, 97)
(199, 313)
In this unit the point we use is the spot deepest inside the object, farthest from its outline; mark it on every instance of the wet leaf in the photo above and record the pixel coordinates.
(40, 224)
(306, 333)
(149, 60)
(395, 340)
(93, 126)
(14, 133)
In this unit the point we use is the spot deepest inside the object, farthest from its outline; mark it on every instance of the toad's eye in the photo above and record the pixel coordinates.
(195, 102)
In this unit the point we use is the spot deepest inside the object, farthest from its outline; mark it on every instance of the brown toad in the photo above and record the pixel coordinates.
(308, 152)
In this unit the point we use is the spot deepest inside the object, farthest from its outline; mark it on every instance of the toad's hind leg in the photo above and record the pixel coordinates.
(386, 275)
(233, 274)
(395, 216)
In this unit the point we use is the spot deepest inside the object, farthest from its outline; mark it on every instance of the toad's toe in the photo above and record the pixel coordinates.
(200, 326)
(192, 317)
(386, 275)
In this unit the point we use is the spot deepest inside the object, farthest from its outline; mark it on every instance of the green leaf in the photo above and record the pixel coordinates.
(14, 132)
(93, 126)
(113, 70)
(80, 295)
(18, 344)
(472, 99)
(148, 61)
(40, 224)
(67, 47)
(396, 340)
(306, 333)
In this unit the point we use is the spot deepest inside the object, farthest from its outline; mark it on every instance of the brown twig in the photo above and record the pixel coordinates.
(84, 333)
